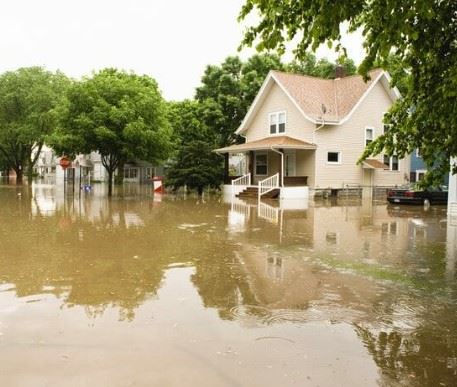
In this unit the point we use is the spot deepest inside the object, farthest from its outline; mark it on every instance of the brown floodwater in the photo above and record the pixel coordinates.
(143, 290)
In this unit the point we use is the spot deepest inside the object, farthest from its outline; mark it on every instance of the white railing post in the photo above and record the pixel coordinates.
(268, 184)
(243, 180)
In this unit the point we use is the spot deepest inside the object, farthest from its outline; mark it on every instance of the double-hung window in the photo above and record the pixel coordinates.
(369, 135)
(277, 122)
(261, 164)
(391, 162)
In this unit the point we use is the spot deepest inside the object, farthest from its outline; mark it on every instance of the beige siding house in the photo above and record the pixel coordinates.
(309, 132)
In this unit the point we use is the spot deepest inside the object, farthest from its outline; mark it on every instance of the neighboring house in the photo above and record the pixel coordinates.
(89, 168)
(45, 166)
(419, 169)
(310, 132)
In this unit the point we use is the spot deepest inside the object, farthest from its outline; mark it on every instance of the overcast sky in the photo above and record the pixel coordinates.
(170, 40)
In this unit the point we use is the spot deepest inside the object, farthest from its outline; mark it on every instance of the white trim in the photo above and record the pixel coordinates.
(256, 153)
(254, 103)
(293, 100)
(340, 158)
(373, 136)
(418, 155)
(395, 90)
(359, 102)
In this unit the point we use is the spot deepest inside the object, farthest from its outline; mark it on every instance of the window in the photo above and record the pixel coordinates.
(369, 135)
(261, 164)
(277, 122)
(130, 173)
(394, 163)
(420, 174)
(334, 157)
(418, 152)
(391, 162)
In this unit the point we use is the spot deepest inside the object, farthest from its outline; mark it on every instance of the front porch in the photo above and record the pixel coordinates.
(277, 166)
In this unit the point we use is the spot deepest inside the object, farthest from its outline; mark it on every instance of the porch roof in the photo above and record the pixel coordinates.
(373, 164)
(275, 142)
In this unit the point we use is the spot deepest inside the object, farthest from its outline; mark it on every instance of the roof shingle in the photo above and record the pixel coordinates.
(336, 96)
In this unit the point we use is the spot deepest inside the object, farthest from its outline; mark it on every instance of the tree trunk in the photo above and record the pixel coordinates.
(29, 174)
(110, 182)
(119, 179)
(19, 175)
(200, 191)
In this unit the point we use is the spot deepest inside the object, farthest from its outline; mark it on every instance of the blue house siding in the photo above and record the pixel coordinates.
(417, 164)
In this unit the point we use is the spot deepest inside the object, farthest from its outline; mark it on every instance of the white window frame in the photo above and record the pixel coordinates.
(255, 163)
(419, 171)
(391, 164)
(418, 154)
(277, 114)
(340, 158)
(372, 137)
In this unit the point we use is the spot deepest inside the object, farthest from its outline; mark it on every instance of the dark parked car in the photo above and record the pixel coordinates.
(411, 196)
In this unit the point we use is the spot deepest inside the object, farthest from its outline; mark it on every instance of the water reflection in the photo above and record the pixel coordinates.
(389, 273)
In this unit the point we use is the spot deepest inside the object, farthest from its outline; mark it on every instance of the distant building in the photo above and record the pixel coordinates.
(89, 168)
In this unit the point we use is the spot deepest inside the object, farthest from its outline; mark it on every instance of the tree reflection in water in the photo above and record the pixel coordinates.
(392, 283)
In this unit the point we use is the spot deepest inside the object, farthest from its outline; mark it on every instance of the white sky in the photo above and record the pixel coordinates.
(170, 40)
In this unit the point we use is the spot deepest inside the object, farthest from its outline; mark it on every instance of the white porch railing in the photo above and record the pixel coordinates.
(267, 212)
(268, 184)
(244, 180)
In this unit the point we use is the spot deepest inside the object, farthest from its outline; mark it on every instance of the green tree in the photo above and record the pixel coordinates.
(194, 164)
(323, 68)
(28, 97)
(118, 114)
(230, 88)
(4, 166)
(421, 34)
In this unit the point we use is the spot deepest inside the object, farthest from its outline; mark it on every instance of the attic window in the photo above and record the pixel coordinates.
(277, 122)
(369, 135)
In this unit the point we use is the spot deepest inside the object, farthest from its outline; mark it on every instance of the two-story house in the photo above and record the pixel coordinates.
(305, 134)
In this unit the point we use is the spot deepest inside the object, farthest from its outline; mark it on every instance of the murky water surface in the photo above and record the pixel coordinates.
(149, 291)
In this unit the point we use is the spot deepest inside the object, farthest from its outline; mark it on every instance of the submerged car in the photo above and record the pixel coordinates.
(412, 196)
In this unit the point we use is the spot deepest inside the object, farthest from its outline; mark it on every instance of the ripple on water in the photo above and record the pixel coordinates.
(267, 316)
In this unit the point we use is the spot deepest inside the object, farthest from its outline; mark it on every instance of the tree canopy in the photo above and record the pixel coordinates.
(194, 164)
(421, 34)
(28, 97)
(118, 114)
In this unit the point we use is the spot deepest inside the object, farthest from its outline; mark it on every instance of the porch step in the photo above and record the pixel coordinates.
(253, 192)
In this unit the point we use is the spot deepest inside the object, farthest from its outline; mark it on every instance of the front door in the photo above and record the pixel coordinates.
(289, 164)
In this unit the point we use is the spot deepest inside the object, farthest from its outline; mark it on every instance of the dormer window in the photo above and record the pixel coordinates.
(277, 122)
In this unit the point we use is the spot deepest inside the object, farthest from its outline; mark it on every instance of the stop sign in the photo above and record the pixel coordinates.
(65, 162)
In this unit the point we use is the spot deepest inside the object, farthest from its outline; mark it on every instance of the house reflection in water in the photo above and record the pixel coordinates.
(379, 268)
(283, 251)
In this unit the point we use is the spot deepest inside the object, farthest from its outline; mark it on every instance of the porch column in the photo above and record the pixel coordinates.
(251, 164)
(226, 168)
(281, 169)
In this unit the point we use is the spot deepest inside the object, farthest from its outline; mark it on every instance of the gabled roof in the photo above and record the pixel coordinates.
(275, 142)
(329, 101)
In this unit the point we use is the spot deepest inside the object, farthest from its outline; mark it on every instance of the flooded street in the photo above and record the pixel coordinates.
(170, 291)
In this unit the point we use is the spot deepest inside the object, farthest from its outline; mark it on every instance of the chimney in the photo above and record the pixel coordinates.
(339, 72)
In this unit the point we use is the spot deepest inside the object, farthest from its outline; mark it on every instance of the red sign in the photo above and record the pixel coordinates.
(65, 162)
